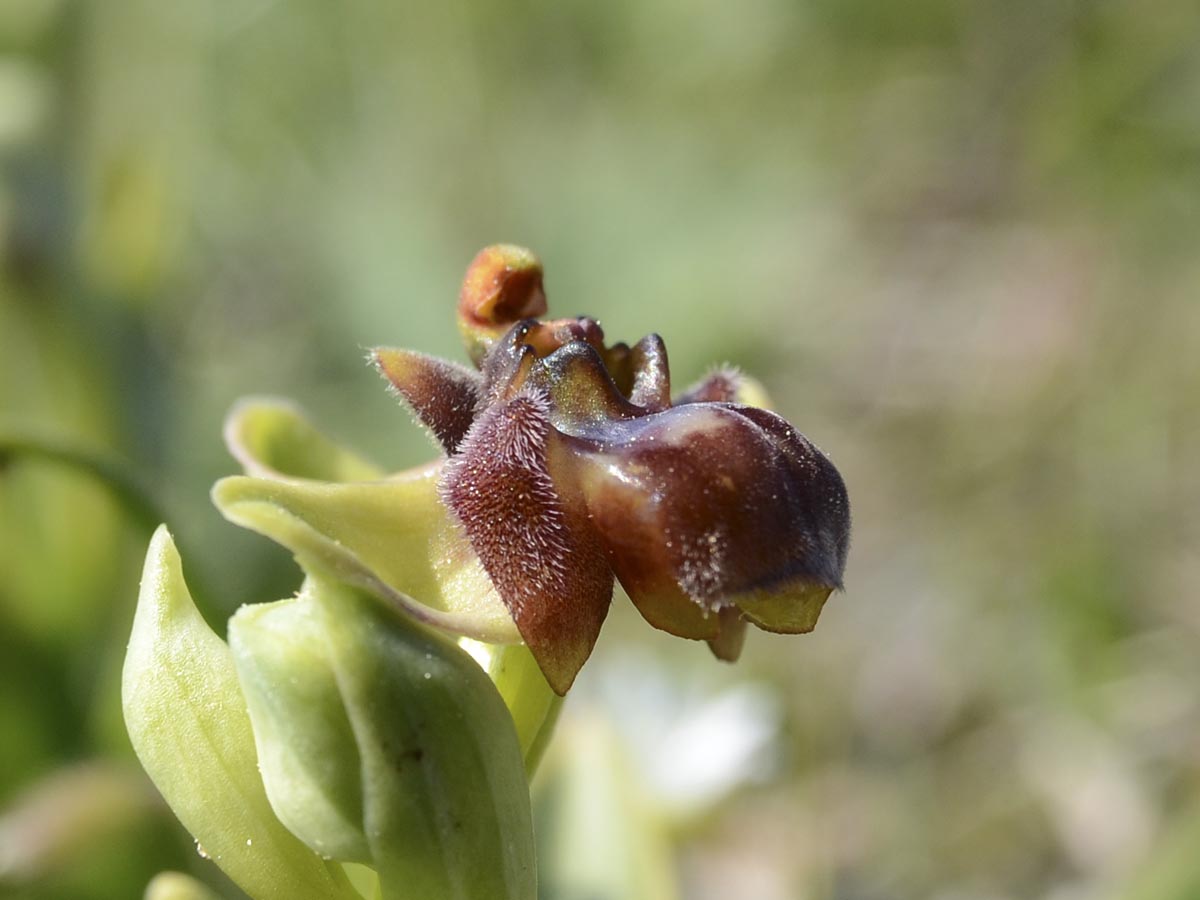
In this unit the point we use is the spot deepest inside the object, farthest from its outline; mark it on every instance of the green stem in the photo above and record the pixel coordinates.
(114, 473)
(533, 705)
(541, 738)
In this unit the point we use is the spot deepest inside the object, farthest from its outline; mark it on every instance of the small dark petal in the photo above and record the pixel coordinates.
(503, 284)
(720, 386)
(549, 336)
(534, 540)
(727, 645)
(651, 374)
(441, 394)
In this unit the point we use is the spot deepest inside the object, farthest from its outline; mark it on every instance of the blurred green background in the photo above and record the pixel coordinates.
(959, 240)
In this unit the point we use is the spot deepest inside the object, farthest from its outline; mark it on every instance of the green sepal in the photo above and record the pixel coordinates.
(188, 723)
(272, 438)
(393, 538)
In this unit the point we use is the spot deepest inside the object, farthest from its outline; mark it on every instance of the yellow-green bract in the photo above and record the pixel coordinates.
(187, 719)
(379, 741)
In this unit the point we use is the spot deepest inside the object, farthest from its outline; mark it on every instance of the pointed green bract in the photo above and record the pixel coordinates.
(393, 538)
(187, 720)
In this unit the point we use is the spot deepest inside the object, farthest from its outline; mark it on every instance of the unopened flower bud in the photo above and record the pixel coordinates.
(306, 751)
(503, 285)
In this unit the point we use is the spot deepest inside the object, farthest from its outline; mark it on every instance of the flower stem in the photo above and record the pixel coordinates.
(533, 705)
(111, 471)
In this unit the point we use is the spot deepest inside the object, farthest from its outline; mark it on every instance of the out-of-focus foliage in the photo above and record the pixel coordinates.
(956, 239)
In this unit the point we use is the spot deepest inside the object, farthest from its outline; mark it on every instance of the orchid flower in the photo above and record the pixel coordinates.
(345, 726)
(567, 463)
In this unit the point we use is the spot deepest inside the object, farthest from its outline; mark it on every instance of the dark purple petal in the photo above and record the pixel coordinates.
(820, 497)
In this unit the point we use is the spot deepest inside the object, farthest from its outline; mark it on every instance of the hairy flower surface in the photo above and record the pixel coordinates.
(568, 464)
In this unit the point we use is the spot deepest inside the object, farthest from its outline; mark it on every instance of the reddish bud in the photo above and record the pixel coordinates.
(503, 285)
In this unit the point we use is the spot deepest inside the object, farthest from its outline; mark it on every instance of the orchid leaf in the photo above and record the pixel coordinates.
(446, 809)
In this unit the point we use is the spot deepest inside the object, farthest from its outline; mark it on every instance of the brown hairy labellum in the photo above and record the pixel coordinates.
(569, 465)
